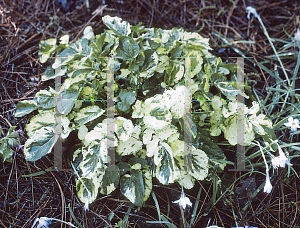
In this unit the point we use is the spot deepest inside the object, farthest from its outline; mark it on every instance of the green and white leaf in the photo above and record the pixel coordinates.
(153, 146)
(88, 33)
(110, 180)
(69, 97)
(25, 107)
(5, 151)
(39, 144)
(132, 186)
(87, 189)
(149, 65)
(186, 180)
(119, 27)
(46, 49)
(197, 162)
(129, 146)
(165, 166)
(82, 131)
(215, 121)
(124, 128)
(230, 130)
(127, 99)
(128, 49)
(137, 109)
(177, 147)
(45, 99)
(43, 119)
(147, 182)
(98, 133)
(93, 160)
(87, 114)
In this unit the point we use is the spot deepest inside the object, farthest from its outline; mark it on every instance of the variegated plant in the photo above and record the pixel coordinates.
(150, 110)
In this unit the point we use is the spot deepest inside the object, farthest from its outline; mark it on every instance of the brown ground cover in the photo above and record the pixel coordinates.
(52, 194)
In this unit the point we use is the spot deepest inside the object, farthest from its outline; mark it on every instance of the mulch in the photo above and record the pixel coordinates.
(24, 23)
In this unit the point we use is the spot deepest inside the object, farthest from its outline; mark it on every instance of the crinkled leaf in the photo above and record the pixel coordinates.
(46, 48)
(65, 56)
(227, 89)
(88, 33)
(45, 99)
(127, 99)
(44, 119)
(88, 114)
(128, 147)
(124, 128)
(149, 65)
(25, 107)
(51, 73)
(128, 49)
(186, 180)
(119, 27)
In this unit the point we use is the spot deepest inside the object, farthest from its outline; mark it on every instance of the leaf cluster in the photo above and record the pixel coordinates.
(151, 128)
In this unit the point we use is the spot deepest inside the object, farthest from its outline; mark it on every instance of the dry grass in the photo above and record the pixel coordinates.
(25, 22)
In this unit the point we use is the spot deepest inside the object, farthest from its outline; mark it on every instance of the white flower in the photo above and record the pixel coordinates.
(282, 159)
(293, 123)
(274, 161)
(251, 10)
(297, 35)
(183, 201)
(268, 186)
(86, 205)
(42, 222)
